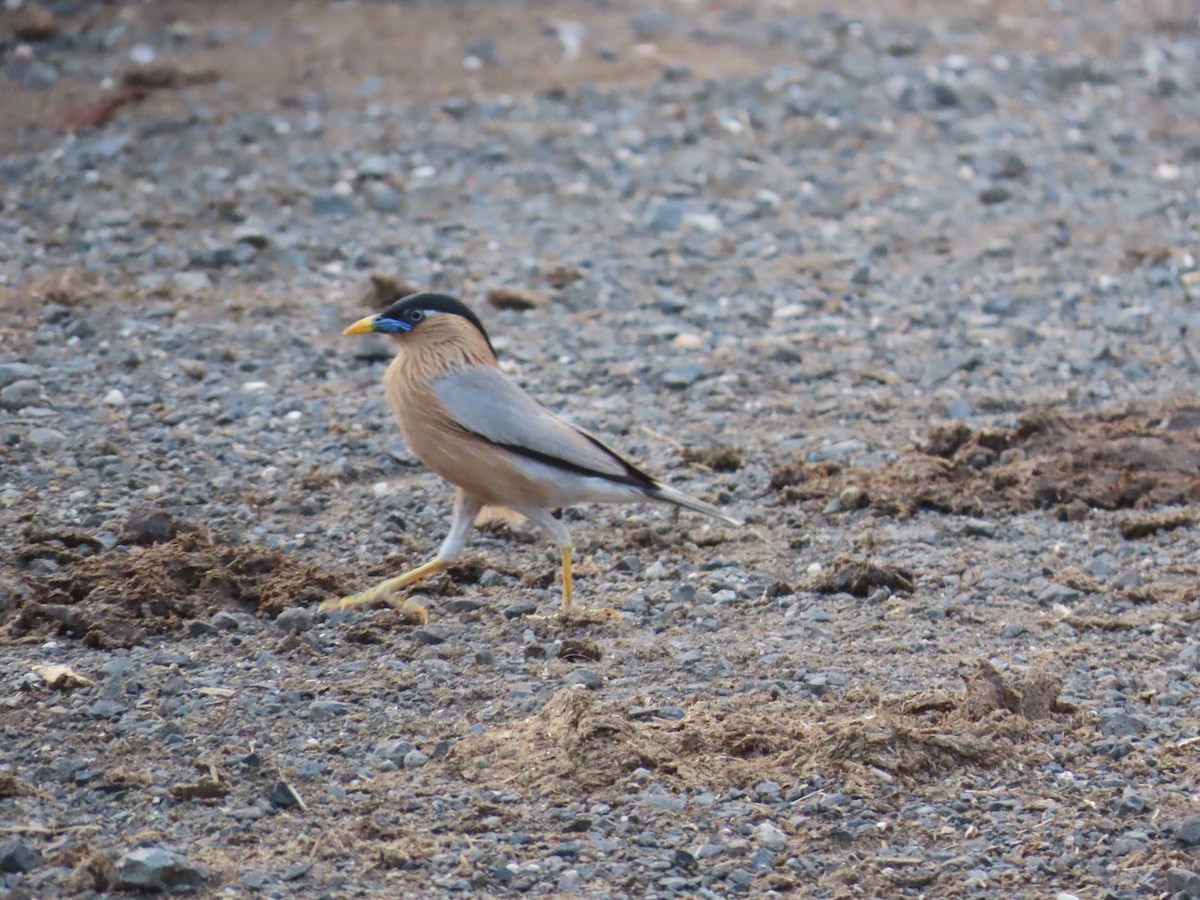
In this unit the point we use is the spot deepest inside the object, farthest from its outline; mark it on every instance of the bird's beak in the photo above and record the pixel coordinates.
(363, 326)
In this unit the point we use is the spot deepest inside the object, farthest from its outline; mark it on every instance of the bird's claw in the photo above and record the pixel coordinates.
(366, 598)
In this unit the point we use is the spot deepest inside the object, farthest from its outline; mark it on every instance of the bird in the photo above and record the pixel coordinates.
(473, 425)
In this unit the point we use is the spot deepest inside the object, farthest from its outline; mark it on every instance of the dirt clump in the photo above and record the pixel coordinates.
(117, 598)
(1133, 527)
(384, 290)
(848, 576)
(716, 458)
(1136, 459)
(514, 298)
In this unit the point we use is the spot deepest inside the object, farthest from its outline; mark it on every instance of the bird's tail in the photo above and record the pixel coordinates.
(678, 498)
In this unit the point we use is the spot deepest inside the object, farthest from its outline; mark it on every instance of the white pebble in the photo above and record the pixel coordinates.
(814, 568)
(114, 398)
(1167, 172)
(254, 386)
(294, 416)
(381, 488)
(142, 54)
(270, 473)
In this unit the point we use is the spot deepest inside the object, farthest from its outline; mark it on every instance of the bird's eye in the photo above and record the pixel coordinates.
(415, 316)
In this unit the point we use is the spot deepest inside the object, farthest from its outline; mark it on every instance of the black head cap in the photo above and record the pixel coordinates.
(442, 303)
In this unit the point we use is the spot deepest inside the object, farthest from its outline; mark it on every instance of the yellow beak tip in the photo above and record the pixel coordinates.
(362, 326)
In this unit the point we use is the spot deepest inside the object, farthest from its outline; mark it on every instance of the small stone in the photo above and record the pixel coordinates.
(191, 283)
(666, 802)
(520, 608)
(431, 635)
(382, 197)
(585, 677)
(225, 621)
(681, 859)
(959, 409)
(662, 215)
(155, 869)
(1120, 724)
(1002, 164)
(375, 166)
(255, 879)
(414, 759)
(321, 710)
(1183, 881)
(994, 194)
(114, 398)
(394, 749)
(1187, 832)
(20, 394)
(683, 376)
(16, 857)
(463, 605)
(328, 203)
(16, 371)
(816, 614)
(294, 619)
(45, 440)
(106, 709)
(284, 796)
(254, 234)
(769, 836)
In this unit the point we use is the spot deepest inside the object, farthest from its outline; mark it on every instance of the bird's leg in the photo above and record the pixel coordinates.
(466, 508)
(571, 613)
(568, 577)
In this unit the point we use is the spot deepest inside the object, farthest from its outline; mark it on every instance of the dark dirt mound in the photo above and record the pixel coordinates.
(1136, 459)
(860, 579)
(117, 598)
(577, 743)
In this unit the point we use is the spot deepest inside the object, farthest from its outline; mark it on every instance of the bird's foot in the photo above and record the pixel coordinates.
(388, 592)
(406, 607)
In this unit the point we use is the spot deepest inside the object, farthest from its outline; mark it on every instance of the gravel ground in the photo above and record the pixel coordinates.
(911, 289)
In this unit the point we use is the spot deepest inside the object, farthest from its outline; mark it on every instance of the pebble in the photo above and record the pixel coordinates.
(1183, 881)
(1187, 832)
(768, 835)
(45, 440)
(294, 619)
(585, 677)
(323, 710)
(114, 397)
(16, 857)
(1120, 724)
(414, 759)
(156, 869)
(19, 394)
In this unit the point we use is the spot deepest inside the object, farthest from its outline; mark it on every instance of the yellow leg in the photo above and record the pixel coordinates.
(386, 591)
(567, 577)
(570, 614)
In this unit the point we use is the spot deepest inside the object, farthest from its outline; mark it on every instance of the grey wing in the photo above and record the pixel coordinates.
(487, 403)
